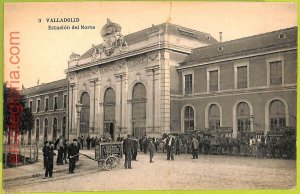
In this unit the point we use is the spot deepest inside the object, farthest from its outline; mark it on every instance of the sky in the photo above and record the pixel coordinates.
(44, 53)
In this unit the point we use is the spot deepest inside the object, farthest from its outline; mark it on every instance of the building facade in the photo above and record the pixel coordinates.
(170, 78)
(48, 103)
(248, 84)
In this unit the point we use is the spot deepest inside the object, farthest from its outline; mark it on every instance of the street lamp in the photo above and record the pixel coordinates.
(78, 109)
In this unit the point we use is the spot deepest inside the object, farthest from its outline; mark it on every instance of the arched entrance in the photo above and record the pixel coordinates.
(85, 114)
(54, 127)
(109, 112)
(45, 129)
(139, 110)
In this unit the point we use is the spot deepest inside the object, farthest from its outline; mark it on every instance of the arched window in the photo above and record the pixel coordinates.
(109, 105)
(139, 110)
(243, 117)
(189, 118)
(214, 117)
(64, 126)
(45, 129)
(37, 129)
(54, 127)
(109, 111)
(277, 114)
(85, 114)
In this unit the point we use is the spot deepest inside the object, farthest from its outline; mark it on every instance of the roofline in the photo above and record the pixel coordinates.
(195, 64)
(245, 38)
(43, 85)
(133, 53)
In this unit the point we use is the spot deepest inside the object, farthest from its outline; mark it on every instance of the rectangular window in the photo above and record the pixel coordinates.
(65, 101)
(38, 106)
(55, 102)
(276, 73)
(188, 80)
(242, 74)
(213, 81)
(46, 104)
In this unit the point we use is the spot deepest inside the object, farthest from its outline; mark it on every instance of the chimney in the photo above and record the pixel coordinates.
(220, 33)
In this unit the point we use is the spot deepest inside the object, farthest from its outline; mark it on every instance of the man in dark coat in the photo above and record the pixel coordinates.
(141, 144)
(134, 149)
(145, 144)
(88, 142)
(49, 153)
(177, 145)
(127, 149)
(44, 153)
(73, 151)
(170, 147)
(81, 141)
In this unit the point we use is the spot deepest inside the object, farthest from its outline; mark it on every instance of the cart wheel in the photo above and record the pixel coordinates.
(111, 162)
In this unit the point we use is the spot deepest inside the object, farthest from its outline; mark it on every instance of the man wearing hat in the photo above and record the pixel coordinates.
(44, 153)
(134, 148)
(151, 148)
(49, 159)
(127, 149)
(170, 147)
(73, 152)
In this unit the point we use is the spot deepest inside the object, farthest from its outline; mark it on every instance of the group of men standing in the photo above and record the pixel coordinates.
(64, 150)
(130, 147)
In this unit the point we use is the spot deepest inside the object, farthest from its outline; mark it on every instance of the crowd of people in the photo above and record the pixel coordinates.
(65, 151)
(261, 146)
(256, 146)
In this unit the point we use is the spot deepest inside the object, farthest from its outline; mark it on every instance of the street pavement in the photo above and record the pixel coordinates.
(207, 172)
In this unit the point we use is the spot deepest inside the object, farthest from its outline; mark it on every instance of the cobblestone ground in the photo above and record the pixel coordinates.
(208, 172)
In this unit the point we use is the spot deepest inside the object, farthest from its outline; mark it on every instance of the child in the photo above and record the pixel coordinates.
(151, 148)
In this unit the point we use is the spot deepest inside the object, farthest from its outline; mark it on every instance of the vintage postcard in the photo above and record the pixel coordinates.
(161, 96)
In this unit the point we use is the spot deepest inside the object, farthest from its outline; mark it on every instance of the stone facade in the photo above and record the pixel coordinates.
(267, 89)
(139, 76)
(48, 103)
(169, 78)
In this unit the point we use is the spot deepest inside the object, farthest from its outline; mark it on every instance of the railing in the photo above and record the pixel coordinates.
(17, 155)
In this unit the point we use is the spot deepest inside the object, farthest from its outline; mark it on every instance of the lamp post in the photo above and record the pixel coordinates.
(78, 109)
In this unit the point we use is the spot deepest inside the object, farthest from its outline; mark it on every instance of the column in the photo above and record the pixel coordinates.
(98, 115)
(165, 94)
(153, 106)
(93, 104)
(121, 103)
(73, 114)
(124, 126)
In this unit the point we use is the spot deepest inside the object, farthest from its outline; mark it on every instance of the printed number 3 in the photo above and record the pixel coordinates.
(39, 20)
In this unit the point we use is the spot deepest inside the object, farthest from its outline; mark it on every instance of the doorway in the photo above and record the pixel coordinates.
(110, 129)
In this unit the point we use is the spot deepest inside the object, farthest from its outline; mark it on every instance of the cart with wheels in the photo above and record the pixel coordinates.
(108, 155)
